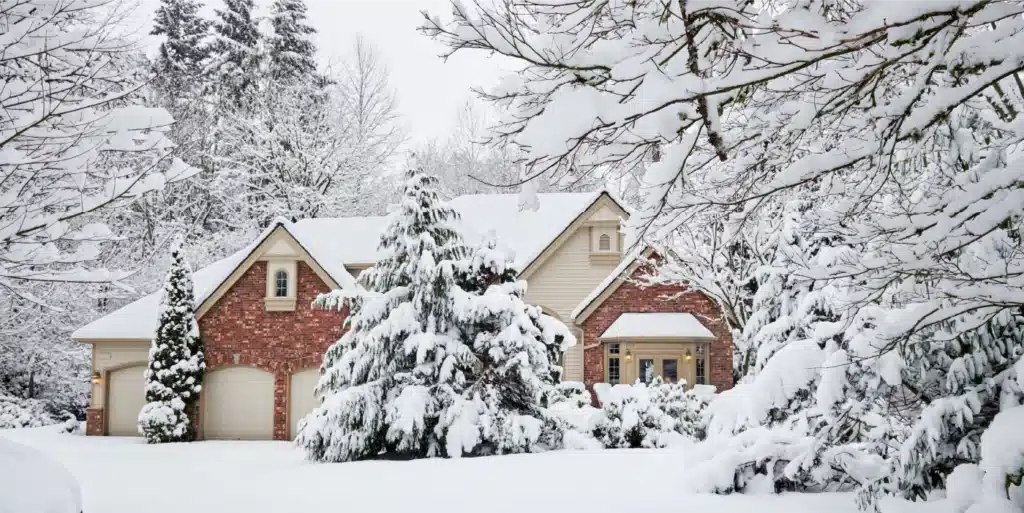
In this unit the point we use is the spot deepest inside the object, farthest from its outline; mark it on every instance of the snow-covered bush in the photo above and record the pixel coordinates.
(442, 357)
(572, 394)
(21, 413)
(640, 415)
(174, 375)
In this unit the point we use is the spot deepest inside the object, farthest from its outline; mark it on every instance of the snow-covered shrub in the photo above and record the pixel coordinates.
(22, 413)
(995, 484)
(573, 394)
(174, 375)
(654, 415)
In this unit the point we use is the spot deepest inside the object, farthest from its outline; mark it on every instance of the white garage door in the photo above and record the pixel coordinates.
(238, 404)
(301, 399)
(125, 399)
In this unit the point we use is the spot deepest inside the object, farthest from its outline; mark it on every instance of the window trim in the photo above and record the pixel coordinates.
(278, 275)
(604, 242)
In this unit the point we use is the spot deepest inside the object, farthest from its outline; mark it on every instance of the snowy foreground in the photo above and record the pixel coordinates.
(123, 475)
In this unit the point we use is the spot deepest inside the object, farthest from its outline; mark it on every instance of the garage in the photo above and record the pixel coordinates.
(125, 398)
(301, 399)
(238, 404)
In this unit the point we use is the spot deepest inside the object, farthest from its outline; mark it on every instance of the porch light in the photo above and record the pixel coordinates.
(689, 355)
(96, 378)
(629, 355)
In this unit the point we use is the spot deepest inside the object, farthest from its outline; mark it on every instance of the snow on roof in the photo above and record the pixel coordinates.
(616, 274)
(337, 242)
(657, 325)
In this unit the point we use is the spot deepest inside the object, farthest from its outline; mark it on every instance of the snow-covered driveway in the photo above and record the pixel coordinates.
(123, 475)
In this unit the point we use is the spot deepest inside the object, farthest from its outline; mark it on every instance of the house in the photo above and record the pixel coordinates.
(264, 341)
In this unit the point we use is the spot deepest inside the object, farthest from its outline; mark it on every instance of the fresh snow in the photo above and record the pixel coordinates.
(657, 325)
(32, 482)
(123, 475)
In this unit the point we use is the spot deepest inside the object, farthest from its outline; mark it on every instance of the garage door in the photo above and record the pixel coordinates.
(301, 399)
(238, 404)
(125, 399)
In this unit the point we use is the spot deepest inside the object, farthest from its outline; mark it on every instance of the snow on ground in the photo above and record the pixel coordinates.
(123, 475)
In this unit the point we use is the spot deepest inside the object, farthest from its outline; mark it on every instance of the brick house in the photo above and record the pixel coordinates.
(264, 341)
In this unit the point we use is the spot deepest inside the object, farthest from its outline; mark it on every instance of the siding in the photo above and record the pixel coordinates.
(562, 281)
(108, 355)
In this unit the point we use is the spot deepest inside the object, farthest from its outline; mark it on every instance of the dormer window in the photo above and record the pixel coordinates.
(281, 283)
(604, 242)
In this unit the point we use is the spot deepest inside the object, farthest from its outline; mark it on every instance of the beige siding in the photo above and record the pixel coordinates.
(112, 355)
(562, 281)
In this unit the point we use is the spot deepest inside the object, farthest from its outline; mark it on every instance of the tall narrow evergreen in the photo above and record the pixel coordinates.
(236, 50)
(176, 362)
(291, 50)
(184, 52)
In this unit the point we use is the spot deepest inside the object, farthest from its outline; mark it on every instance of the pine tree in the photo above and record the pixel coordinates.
(183, 54)
(441, 356)
(291, 51)
(176, 362)
(236, 50)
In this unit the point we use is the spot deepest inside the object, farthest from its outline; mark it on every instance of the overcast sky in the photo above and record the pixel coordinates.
(430, 91)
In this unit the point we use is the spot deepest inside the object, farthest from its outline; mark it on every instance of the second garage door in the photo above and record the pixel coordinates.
(127, 395)
(238, 404)
(301, 399)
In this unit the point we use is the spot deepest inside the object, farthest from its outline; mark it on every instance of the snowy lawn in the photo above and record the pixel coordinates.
(123, 475)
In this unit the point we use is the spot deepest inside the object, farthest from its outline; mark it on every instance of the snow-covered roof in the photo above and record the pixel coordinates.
(657, 325)
(335, 243)
(138, 319)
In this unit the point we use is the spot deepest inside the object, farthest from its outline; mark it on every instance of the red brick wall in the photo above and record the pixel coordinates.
(94, 419)
(631, 297)
(278, 342)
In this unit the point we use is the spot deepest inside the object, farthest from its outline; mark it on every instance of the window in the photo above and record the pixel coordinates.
(614, 366)
(699, 377)
(281, 283)
(670, 370)
(646, 370)
(604, 243)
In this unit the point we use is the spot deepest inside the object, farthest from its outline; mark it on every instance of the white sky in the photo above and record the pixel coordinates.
(430, 91)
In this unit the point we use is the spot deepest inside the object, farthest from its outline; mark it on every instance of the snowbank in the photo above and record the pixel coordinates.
(31, 482)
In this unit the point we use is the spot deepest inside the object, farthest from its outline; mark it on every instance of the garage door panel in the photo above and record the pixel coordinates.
(301, 399)
(238, 404)
(126, 396)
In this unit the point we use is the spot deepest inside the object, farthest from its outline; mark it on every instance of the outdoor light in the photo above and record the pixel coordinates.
(96, 378)
(689, 355)
(629, 355)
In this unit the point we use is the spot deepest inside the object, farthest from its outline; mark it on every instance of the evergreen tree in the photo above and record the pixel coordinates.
(430, 366)
(183, 54)
(291, 51)
(236, 50)
(176, 362)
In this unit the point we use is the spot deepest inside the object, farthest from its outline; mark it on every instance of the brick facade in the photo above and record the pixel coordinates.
(237, 330)
(94, 419)
(634, 298)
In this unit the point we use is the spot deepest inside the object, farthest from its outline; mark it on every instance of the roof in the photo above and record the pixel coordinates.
(615, 276)
(138, 320)
(335, 243)
(657, 325)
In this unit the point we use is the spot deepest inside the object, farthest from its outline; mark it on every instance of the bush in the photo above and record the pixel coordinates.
(569, 393)
(652, 415)
(16, 412)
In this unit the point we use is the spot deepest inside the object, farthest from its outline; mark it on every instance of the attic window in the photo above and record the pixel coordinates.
(281, 283)
(604, 243)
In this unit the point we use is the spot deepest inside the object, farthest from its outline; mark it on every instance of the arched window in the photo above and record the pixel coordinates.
(604, 243)
(281, 283)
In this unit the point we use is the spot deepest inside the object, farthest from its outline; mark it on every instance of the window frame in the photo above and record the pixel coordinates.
(278, 275)
(604, 242)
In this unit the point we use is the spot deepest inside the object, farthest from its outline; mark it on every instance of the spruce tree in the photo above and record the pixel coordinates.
(176, 363)
(441, 356)
(291, 51)
(236, 50)
(183, 54)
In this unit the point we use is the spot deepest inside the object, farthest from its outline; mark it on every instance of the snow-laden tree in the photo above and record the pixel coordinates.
(184, 52)
(74, 143)
(900, 125)
(174, 375)
(291, 52)
(441, 357)
(235, 50)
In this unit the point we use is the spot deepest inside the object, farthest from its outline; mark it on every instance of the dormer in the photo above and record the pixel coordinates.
(282, 276)
(605, 236)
